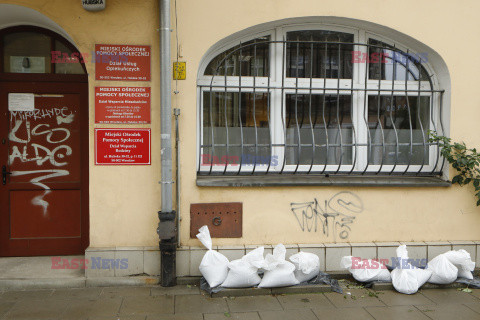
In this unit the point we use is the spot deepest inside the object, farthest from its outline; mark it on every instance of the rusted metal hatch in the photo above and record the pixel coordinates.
(224, 220)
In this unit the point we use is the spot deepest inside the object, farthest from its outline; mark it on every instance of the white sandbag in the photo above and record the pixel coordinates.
(278, 271)
(254, 256)
(462, 260)
(281, 276)
(242, 273)
(443, 271)
(272, 260)
(404, 281)
(307, 265)
(407, 278)
(366, 270)
(214, 265)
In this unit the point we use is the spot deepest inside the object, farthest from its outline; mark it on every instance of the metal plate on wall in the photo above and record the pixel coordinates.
(224, 220)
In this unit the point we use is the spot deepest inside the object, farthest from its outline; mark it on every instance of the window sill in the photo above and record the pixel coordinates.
(315, 180)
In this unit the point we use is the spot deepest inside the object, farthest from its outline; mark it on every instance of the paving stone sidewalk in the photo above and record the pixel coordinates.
(187, 302)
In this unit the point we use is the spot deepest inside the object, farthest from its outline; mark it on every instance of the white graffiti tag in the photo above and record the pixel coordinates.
(40, 154)
(49, 155)
(38, 200)
(63, 136)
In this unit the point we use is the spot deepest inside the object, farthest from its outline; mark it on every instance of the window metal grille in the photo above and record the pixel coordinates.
(313, 105)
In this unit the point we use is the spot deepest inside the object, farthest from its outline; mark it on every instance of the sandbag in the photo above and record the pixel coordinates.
(278, 271)
(281, 276)
(242, 273)
(407, 278)
(367, 271)
(254, 256)
(307, 266)
(443, 271)
(272, 260)
(462, 260)
(214, 265)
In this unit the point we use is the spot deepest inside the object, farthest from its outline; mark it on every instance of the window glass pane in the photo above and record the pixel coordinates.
(252, 59)
(311, 57)
(387, 64)
(239, 113)
(26, 52)
(323, 121)
(390, 121)
(65, 62)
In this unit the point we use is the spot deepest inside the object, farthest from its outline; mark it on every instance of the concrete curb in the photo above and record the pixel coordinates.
(273, 291)
(321, 288)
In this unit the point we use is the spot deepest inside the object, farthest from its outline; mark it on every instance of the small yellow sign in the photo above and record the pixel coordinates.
(179, 70)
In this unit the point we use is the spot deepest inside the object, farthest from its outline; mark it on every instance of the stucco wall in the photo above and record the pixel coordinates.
(405, 214)
(124, 199)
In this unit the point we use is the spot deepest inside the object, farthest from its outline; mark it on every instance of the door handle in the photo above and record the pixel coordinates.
(4, 175)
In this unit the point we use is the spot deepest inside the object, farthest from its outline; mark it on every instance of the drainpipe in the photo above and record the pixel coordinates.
(176, 112)
(166, 227)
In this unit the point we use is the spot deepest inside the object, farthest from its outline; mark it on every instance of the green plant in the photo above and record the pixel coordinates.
(465, 161)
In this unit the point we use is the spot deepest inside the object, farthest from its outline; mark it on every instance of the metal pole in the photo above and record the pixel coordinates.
(166, 228)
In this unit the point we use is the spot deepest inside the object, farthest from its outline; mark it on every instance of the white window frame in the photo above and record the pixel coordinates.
(277, 65)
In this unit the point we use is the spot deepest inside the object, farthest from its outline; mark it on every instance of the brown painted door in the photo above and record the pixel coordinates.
(44, 192)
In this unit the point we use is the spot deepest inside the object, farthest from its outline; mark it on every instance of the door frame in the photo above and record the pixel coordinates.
(64, 84)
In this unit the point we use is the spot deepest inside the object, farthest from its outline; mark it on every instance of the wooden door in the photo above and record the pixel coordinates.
(44, 159)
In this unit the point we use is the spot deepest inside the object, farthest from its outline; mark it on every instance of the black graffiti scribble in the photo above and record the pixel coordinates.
(334, 215)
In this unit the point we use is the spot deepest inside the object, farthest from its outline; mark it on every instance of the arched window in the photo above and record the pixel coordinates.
(36, 50)
(318, 100)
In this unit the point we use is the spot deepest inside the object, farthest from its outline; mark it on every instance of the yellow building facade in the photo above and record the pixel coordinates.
(367, 214)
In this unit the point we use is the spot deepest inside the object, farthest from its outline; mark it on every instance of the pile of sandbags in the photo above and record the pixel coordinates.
(245, 272)
(278, 272)
(407, 278)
